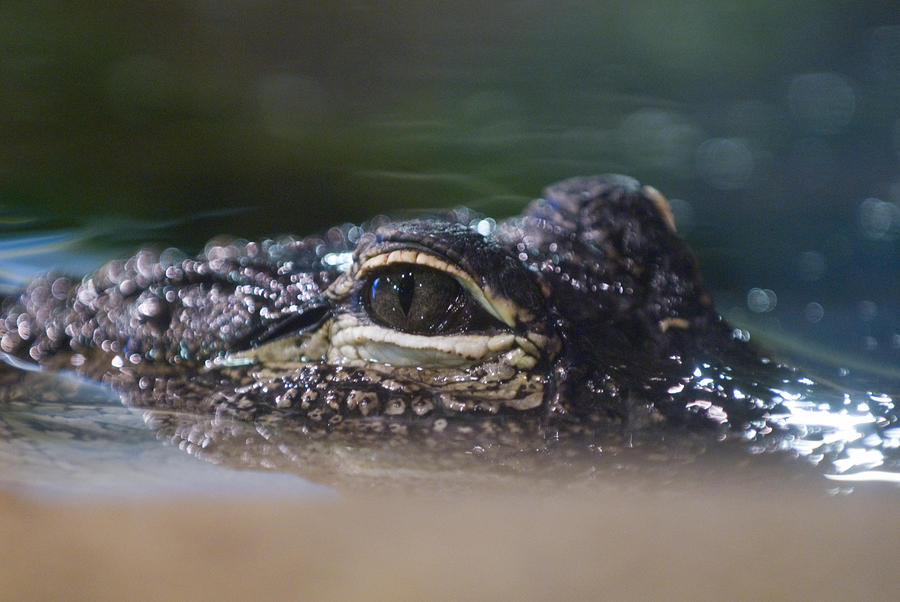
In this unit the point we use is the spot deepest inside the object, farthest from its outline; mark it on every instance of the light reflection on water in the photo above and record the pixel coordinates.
(819, 429)
(845, 433)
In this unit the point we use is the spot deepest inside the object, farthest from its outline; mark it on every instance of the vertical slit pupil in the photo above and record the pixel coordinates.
(422, 300)
(405, 291)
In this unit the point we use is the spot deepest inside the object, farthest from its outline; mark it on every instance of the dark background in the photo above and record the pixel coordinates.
(774, 127)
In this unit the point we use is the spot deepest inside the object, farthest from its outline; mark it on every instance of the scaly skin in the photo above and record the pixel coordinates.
(592, 279)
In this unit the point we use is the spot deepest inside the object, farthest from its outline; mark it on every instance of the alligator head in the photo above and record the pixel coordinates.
(585, 311)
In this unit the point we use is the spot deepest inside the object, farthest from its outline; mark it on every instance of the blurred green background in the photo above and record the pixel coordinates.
(774, 127)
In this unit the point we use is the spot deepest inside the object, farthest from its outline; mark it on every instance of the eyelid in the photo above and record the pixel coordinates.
(500, 311)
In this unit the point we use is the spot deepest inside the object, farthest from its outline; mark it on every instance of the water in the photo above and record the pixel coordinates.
(773, 129)
(66, 438)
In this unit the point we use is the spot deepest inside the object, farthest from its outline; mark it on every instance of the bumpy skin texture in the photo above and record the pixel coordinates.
(594, 267)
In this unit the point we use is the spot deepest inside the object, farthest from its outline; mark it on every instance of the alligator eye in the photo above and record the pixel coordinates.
(421, 300)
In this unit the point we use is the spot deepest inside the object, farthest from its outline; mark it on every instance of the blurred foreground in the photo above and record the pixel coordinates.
(703, 542)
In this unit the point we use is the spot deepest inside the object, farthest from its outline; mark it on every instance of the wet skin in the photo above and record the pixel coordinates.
(584, 316)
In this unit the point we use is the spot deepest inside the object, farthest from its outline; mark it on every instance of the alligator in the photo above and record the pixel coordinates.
(582, 316)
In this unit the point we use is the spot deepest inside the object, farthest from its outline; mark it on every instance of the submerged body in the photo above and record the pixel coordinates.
(584, 316)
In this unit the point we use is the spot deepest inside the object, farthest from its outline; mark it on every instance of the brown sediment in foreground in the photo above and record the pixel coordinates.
(712, 542)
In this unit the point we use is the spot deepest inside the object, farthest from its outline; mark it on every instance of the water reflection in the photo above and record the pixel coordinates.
(59, 431)
(853, 439)
(63, 436)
